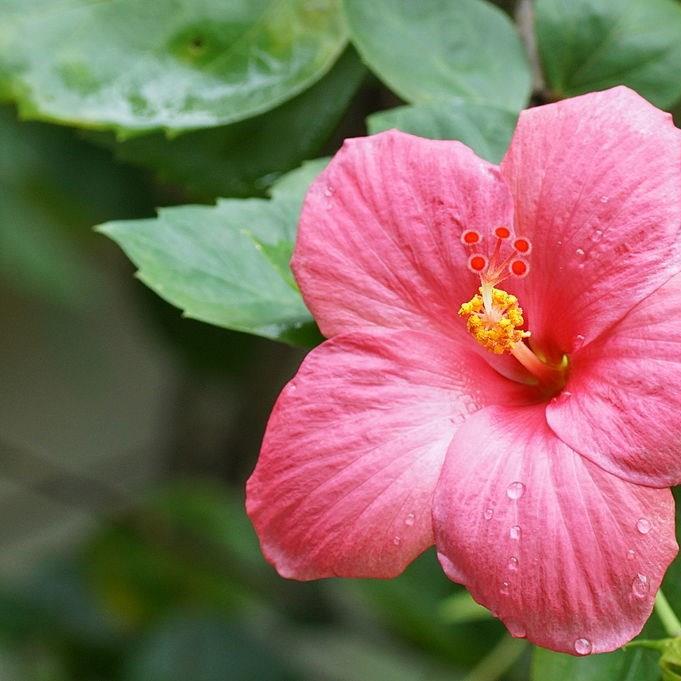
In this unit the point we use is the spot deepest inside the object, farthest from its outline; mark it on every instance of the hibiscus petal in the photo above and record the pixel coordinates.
(596, 181)
(622, 405)
(353, 450)
(563, 552)
(379, 238)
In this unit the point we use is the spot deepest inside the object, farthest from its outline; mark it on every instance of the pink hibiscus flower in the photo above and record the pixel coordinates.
(539, 465)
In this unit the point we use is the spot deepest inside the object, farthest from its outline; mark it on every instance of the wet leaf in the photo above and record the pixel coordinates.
(225, 264)
(245, 158)
(594, 44)
(169, 64)
(485, 129)
(437, 49)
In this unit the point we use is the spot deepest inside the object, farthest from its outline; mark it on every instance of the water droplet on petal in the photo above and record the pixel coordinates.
(397, 540)
(583, 646)
(604, 199)
(630, 554)
(643, 525)
(489, 514)
(409, 520)
(515, 490)
(580, 252)
(515, 532)
(328, 190)
(597, 235)
(640, 586)
(579, 341)
(513, 563)
(505, 587)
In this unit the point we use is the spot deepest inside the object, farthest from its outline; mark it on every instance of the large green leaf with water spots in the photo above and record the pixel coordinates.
(485, 129)
(226, 264)
(590, 45)
(137, 66)
(437, 49)
(245, 158)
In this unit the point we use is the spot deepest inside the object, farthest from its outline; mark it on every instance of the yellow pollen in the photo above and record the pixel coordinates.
(493, 318)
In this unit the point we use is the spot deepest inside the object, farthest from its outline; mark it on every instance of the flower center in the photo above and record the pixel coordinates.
(493, 316)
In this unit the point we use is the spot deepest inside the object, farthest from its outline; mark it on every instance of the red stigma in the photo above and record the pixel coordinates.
(519, 268)
(522, 246)
(477, 263)
(502, 233)
(470, 237)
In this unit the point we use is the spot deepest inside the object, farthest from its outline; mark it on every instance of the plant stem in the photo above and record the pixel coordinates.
(667, 616)
(499, 660)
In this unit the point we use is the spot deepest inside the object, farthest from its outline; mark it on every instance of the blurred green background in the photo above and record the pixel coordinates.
(127, 431)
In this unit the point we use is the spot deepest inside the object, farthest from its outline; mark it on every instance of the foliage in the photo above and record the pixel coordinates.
(137, 67)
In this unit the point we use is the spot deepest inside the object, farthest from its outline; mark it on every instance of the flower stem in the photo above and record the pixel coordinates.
(667, 616)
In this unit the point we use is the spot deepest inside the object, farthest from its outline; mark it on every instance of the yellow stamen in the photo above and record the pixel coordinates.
(493, 317)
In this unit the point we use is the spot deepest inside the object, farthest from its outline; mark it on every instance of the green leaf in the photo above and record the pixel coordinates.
(244, 158)
(294, 185)
(594, 44)
(211, 262)
(632, 664)
(485, 129)
(670, 662)
(436, 49)
(169, 64)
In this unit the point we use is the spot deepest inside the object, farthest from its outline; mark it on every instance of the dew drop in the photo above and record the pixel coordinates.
(580, 252)
(630, 554)
(583, 646)
(640, 586)
(515, 532)
(409, 520)
(513, 563)
(489, 514)
(643, 525)
(597, 235)
(604, 199)
(328, 190)
(505, 587)
(515, 490)
(397, 540)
